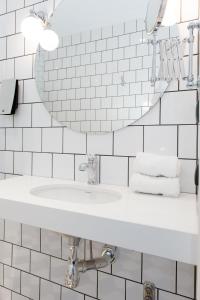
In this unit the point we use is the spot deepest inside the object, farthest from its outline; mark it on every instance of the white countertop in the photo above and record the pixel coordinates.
(162, 226)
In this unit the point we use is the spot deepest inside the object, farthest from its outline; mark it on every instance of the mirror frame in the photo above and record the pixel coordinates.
(159, 18)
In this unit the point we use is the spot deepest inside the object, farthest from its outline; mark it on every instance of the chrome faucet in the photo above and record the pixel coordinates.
(92, 167)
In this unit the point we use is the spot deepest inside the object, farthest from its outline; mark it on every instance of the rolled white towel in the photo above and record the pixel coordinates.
(155, 185)
(157, 165)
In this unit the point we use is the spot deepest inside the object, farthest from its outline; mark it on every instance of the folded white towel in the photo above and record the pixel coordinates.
(157, 165)
(155, 185)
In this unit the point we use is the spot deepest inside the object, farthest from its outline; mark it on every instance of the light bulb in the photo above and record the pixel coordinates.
(49, 40)
(170, 15)
(32, 27)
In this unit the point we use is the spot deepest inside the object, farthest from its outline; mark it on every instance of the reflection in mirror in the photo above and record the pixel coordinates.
(99, 80)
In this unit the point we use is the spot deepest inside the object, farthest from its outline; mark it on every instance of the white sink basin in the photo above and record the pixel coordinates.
(76, 194)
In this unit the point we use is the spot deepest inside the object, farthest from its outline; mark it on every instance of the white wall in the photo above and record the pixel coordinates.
(33, 261)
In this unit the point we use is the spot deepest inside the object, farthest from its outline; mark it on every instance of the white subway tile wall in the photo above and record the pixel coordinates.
(33, 260)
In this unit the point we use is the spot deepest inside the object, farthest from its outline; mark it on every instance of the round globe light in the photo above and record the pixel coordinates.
(49, 40)
(32, 27)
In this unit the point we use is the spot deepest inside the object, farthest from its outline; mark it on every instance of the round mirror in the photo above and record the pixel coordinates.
(154, 15)
(99, 78)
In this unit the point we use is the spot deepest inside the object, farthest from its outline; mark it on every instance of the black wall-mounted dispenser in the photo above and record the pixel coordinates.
(8, 96)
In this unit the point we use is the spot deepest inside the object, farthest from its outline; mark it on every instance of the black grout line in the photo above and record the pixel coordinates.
(176, 278)
(195, 282)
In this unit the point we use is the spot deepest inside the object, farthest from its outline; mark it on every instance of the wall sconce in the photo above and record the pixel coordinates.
(36, 27)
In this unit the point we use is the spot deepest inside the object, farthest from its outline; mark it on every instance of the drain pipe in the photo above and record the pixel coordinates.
(108, 256)
(72, 275)
(75, 266)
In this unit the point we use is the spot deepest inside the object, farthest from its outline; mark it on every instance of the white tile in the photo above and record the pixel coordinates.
(6, 69)
(110, 287)
(22, 117)
(58, 270)
(20, 91)
(18, 297)
(100, 144)
(5, 294)
(185, 279)
(12, 278)
(5, 253)
(3, 6)
(1, 229)
(123, 65)
(12, 232)
(74, 142)
(3, 48)
(49, 291)
(6, 157)
(21, 258)
(63, 166)
(1, 274)
(160, 139)
(6, 121)
(42, 164)
(118, 29)
(128, 265)
(178, 108)
(130, 26)
(161, 271)
(31, 237)
(51, 242)
(40, 116)
(151, 118)
(30, 47)
(22, 163)
(14, 4)
(14, 139)
(7, 24)
(40, 264)
(88, 283)
(135, 289)
(32, 139)
(20, 15)
(30, 2)
(2, 139)
(128, 141)
(168, 296)
(189, 10)
(72, 295)
(52, 140)
(15, 45)
(114, 170)
(30, 286)
(187, 137)
(30, 91)
(23, 67)
(187, 176)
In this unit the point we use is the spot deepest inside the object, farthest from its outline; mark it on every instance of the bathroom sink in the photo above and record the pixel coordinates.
(76, 194)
